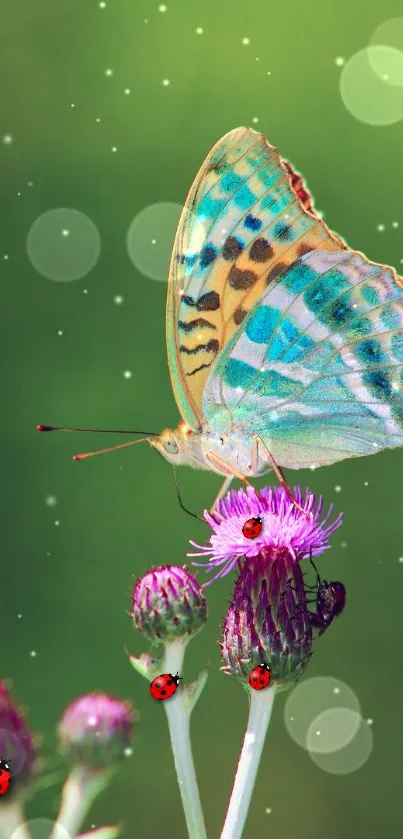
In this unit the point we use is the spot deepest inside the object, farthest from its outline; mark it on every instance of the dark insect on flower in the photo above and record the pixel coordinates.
(330, 602)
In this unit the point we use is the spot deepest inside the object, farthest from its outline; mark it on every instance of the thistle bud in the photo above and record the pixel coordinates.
(168, 604)
(17, 747)
(96, 730)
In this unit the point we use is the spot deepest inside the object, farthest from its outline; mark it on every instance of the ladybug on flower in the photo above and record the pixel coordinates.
(5, 777)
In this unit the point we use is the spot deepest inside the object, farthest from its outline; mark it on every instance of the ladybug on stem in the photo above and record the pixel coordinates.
(259, 677)
(164, 686)
(252, 528)
(5, 777)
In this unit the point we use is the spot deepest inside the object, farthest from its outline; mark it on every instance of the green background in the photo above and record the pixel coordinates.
(118, 515)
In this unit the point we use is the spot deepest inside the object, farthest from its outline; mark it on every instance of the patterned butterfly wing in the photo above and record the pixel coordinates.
(247, 217)
(316, 371)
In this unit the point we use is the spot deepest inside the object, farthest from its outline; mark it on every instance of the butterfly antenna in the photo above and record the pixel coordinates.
(100, 431)
(181, 504)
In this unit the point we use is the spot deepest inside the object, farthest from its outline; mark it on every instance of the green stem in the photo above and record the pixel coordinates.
(12, 818)
(178, 715)
(261, 704)
(80, 790)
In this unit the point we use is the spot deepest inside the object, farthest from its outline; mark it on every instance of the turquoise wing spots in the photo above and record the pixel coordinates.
(316, 368)
(247, 218)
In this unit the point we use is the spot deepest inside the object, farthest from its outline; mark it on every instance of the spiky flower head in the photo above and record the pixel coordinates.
(302, 534)
(168, 604)
(16, 742)
(96, 730)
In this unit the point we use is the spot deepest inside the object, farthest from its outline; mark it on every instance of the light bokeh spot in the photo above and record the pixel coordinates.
(41, 829)
(311, 698)
(151, 237)
(352, 757)
(367, 94)
(389, 34)
(332, 730)
(63, 245)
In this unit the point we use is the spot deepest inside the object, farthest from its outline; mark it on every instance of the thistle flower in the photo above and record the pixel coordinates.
(96, 730)
(16, 742)
(283, 526)
(168, 604)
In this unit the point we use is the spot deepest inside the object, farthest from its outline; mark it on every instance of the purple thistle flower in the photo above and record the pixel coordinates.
(16, 742)
(283, 526)
(168, 604)
(96, 730)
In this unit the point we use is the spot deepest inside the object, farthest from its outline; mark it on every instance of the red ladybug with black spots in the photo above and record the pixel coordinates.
(164, 686)
(259, 678)
(5, 777)
(252, 528)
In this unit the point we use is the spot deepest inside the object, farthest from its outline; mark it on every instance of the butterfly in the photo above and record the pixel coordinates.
(285, 346)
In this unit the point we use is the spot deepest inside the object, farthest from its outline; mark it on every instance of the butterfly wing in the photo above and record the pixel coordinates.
(316, 370)
(248, 216)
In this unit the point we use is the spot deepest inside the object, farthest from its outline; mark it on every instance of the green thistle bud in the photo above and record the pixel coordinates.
(96, 731)
(168, 604)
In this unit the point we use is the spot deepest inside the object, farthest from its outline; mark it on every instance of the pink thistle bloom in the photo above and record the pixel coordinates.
(284, 526)
(96, 730)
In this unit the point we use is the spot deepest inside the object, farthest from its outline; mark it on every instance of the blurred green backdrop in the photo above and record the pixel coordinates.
(67, 569)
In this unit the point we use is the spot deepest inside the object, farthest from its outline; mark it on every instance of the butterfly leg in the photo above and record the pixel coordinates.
(277, 471)
(226, 470)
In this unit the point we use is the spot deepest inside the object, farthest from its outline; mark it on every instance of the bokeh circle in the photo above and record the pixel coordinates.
(311, 698)
(390, 34)
(151, 236)
(41, 829)
(332, 730)
(354, 755)
(63, 244)
(367, 94)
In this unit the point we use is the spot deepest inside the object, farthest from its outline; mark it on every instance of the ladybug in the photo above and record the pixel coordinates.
(252, 528)
(164, 686)
(259, 678)
(5, 777)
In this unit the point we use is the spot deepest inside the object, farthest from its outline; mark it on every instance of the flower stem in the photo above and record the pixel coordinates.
(261, 704)
(80, 790)
(11, 818)
(178, 715)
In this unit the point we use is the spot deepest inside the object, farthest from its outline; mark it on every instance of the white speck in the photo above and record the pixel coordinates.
(146, 20)
(6, 257)
(33, 653)
(401, 559)
(255, 119)
(370, 721)
(127, 374)
(162, 8)
(127, 91)
(109, 71)
(102, 4)
(269, 72)
(246, 42)
(57, 522)
(114, 148)
(97, 119)
(30, 183)
(337, 488)
(153, 241)
(343, 544)
(85, 290)
(128, 752)
(60, 332)
(19, 616)
(92, 720)
(268, 810)
(165, 82)
(339, 61)
(51, 501)
(380, 228)
(72, 105)
(19, 194)
(318, 733)
(395, 224)
(118, 299)
(336, 691)
(8, 139)
(313, 467)
(65, 233)
(366, 483)
(199, 30)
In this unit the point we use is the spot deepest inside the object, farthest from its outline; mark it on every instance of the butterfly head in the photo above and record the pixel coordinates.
(175, 445)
